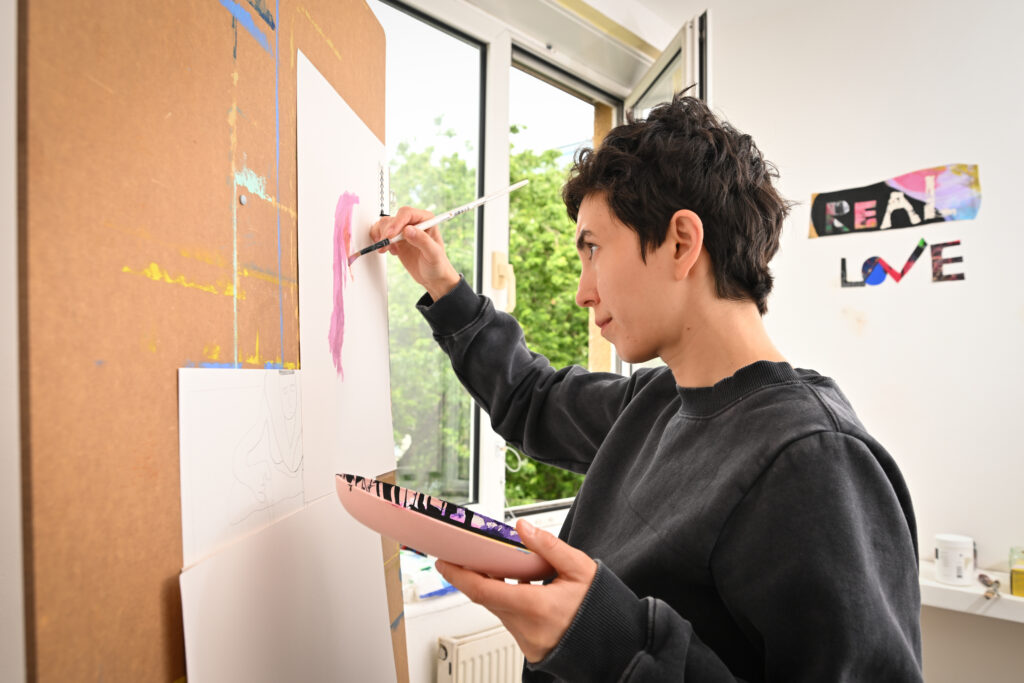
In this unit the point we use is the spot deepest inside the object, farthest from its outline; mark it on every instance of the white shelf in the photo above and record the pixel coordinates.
(971, 599)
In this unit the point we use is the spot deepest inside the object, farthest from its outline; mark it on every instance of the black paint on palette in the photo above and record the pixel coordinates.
(437, 508)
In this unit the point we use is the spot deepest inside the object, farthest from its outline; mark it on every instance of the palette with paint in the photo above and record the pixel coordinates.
(437, 527)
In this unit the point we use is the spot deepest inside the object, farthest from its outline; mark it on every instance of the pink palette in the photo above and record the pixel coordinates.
(439, 528)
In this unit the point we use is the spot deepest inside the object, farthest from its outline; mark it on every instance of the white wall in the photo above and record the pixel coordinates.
(841, 95)
(12, 614)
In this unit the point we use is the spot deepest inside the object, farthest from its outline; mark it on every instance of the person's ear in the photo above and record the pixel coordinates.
(686, 236)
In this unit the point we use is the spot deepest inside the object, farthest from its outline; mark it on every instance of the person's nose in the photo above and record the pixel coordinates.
(586, 292)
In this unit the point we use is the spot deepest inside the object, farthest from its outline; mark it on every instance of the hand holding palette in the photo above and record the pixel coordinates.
(436, 527)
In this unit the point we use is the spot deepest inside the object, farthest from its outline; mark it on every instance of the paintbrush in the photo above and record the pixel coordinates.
(439, 218)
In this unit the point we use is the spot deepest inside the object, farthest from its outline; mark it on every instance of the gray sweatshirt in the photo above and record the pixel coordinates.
(751, 531)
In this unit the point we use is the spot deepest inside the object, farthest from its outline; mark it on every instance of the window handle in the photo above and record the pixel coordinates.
(503, 277)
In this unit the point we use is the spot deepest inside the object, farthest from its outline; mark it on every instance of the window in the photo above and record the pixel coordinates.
(434, 149)
(683, 64)
(547, 126)
(664, 87)
(449, 88)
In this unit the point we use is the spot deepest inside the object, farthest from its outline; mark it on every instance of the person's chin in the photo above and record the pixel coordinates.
(631, 355)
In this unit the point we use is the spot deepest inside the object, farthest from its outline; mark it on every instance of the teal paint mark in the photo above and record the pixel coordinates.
(256, 184)
(270, 365)
(245, 19)
(261, 9)
(394, 624)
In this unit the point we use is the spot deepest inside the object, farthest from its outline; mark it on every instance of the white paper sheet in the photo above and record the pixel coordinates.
(302, 600)
(348, 403)
(240, 446)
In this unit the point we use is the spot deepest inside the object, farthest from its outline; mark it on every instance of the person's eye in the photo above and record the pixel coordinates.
(591, 248)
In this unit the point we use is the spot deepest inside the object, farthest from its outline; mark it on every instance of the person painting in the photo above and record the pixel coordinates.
(737, 521)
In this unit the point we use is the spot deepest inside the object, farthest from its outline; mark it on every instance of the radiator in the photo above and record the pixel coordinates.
(490, 656)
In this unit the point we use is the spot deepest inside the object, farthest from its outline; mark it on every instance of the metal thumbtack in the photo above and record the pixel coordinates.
(991, 584)
(242, 200)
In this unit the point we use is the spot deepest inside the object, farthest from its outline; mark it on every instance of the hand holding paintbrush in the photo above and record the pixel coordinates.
(408, 235)
(422, 252)
(440, 218)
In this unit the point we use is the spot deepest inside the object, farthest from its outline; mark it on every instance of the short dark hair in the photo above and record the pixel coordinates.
(682, 156)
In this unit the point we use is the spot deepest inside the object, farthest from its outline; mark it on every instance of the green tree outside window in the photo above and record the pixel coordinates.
(434, 437)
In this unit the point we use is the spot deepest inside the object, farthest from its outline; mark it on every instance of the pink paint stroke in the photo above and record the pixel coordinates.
(342, 238)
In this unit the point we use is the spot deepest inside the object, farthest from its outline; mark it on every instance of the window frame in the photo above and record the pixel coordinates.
(523, 59)
(505, 46)
(461, 20)
(690, 44)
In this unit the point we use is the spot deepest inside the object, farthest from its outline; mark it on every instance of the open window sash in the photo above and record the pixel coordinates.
(682, 65)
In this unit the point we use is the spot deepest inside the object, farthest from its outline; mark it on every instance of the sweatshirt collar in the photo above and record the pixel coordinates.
(703, 401)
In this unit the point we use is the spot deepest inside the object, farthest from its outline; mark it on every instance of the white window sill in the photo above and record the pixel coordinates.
(971, 599)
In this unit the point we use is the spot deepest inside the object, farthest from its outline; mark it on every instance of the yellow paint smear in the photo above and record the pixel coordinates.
(209, 257)
(156, 273)
(257, 360)
(215, 259)
(971, 171)
(268, 277)
(330, 43)
(159, 274)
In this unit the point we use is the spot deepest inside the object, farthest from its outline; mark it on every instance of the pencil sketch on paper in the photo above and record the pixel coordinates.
(267, 460)
(241, 453)
(342, 247)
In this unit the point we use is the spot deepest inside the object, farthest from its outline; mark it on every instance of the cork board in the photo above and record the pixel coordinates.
(141, 124)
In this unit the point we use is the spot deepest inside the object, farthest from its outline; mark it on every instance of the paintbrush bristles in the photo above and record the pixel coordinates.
(373, 247)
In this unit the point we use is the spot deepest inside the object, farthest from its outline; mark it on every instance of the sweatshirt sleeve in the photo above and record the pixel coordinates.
(556, 416)
(817, 565)
(616, 636)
